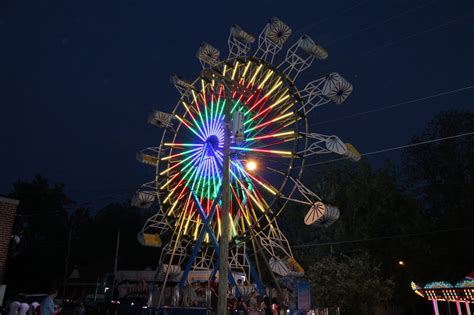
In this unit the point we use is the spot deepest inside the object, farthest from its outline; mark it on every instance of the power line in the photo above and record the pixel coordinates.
(313, 25)
(379, 23)
(396, 148)
(392, 43)
(418, 33)
(383, 237)
(424, 98)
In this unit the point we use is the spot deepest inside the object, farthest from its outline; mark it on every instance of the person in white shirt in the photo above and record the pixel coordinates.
(14, 306)
(24, 307)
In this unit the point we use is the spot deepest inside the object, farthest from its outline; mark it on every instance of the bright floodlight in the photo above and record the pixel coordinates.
(251, 165)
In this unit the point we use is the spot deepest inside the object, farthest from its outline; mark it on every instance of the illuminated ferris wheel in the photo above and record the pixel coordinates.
(269, 141)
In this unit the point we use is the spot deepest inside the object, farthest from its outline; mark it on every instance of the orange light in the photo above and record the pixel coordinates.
(251, 165)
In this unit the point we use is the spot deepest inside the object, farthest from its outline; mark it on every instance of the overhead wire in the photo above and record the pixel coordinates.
(392, 43)
(395, 148)
(371, 239)
(419, 33)
(379, 109)
(371, 26)
(313, 25)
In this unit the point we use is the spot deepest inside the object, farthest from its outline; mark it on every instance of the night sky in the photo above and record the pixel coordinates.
(78, 80)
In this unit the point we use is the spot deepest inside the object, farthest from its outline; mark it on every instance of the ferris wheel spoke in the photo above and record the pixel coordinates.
(179, 163)
(200, 115)
(261, 125)
(269, 108)
(189, 111)
(253, 196)
(241, 206)
(171, 144)
(179, 154)
(184, 177)
(277, 152)
(170, 179)
(189, 216)
(261, 101)
(189, 127)
(267, 186)
(281, 118)
(285, 136)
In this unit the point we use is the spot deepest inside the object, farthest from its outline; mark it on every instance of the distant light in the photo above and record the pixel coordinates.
(106, 289)
(251, 165)
(401, 263)
(132, 304)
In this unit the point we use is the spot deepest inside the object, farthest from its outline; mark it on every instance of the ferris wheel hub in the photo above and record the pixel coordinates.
(212, 143)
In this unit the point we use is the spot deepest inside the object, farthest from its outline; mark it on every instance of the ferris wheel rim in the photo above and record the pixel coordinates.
(296, 128)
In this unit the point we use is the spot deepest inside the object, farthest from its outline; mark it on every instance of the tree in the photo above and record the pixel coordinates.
(42, 223)
(353, 283)
(440, 175)
(375, 214)
(94, 251)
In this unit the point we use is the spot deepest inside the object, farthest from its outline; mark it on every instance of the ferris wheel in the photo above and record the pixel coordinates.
(270, 139)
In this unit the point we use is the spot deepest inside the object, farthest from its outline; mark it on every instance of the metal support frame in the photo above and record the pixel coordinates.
(255, 276)
(212, 237)
(297, 59)
(239, 42)
(271, 39)
(324, 144)
(312, 96)
(331, 88)
(202, 234)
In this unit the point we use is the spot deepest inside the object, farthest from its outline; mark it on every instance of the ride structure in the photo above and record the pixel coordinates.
(256, 98)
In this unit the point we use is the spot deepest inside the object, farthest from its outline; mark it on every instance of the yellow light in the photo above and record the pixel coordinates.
(251, 165)
(246, 69)
(269, 73)
(401, 263)
(235, 69)
(255, 73)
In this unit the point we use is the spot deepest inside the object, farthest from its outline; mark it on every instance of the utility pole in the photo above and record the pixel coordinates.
(224, 240)
(66, 267)
(117, 247)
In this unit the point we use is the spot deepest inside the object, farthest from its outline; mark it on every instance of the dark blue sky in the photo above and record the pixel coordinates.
(79, 79)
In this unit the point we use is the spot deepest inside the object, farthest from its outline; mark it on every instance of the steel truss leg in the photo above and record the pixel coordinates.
(202, 234)
(213, 239)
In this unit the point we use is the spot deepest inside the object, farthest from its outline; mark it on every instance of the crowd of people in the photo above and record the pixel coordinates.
(244, 299)
(47, 306)
(41, 304)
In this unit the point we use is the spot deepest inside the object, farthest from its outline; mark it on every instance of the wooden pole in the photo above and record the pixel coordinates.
(224, 240)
